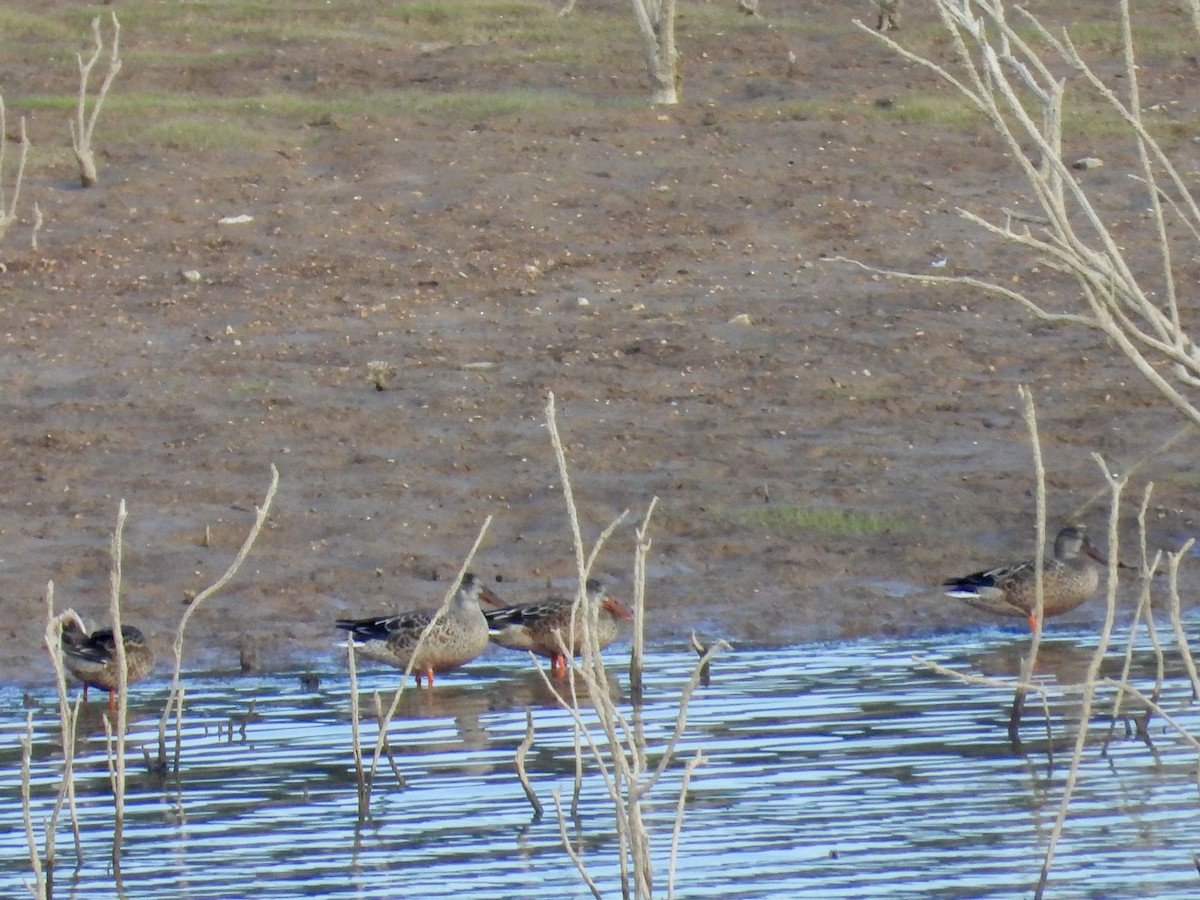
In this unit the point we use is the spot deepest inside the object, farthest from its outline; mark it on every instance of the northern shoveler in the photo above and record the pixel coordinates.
(1067, 580)
(459, 636)
(542, 627)
(92, 658)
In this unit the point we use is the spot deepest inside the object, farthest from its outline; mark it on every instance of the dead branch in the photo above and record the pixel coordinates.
(83, 126)
(174, 703)
(8, 210)
(522, 750)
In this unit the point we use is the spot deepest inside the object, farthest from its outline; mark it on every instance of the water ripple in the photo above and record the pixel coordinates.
(840, 770)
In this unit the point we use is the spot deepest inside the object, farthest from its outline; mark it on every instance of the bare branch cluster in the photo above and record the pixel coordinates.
(83, 126)
(619, 750)
(1009, 71)
(1089, 689)
(115, 727)
(8, 207)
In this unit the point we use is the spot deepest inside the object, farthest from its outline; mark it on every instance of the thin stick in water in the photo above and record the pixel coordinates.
(522, 750)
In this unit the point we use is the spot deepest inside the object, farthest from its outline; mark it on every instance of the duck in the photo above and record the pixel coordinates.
(1068, 579)
(92, 658)
(537, 627)
(459, 636)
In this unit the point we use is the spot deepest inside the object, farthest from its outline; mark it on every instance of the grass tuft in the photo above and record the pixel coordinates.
(784, 519)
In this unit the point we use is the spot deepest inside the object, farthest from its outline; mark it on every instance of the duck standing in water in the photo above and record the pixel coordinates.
(92, 658)
(542, 627)
(1068, 579)
(459, 636)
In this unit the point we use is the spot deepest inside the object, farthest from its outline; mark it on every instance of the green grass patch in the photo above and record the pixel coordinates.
(783, 519)
(948, 110)
(198, 133)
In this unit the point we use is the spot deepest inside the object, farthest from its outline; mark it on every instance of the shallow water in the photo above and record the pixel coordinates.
(842, 770)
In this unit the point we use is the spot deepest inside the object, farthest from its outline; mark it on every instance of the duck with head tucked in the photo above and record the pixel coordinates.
(456, 638)
(92, 658)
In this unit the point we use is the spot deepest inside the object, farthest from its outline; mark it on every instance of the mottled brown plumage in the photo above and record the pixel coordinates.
(1068, 579)
(455, 639)
(92, 658)
(537, 627)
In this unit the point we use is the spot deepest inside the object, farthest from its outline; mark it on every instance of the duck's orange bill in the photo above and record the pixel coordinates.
(617, 608)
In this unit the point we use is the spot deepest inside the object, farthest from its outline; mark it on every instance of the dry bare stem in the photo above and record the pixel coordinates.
(1029, 414)
(1004, 71)
(1152, 705)
(637, 649)
(571, 852)
(116, 751)
(387, 745)
(175, 695)
(656, 27)
(8, 209)
(1173, 606)
(1116, 486)
(38, 888)
(623, 759)
(355, 744)
(68, 720)
(1144, 612)
(381, 740)
(690, 766)
(37, 226)
(83, 126)
(522, 775)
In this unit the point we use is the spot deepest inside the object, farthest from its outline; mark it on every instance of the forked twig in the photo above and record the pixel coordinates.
(83, 128)
(690, 766)
(174, 703)
(8, 209)
(1116, 486)
(522, 751)
(622, 756)
(385, 718)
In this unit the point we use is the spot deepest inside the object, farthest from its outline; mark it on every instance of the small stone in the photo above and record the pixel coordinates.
(1087, 162)
(190, 275)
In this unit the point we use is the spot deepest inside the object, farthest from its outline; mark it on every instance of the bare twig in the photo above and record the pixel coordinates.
(83, 126)
(1116, 486)
(622, 755)
(1173, 606)
(522, 750)
(68, 719)
(1029, 413)
(355, 744)
(116, 735)
(38, 889)
(701, 649)
(174, 703)
(637, 649)
(37, 226)
(8, 210)
(698, 760)
(571, 852)
(381, 741)
(1005, 71)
